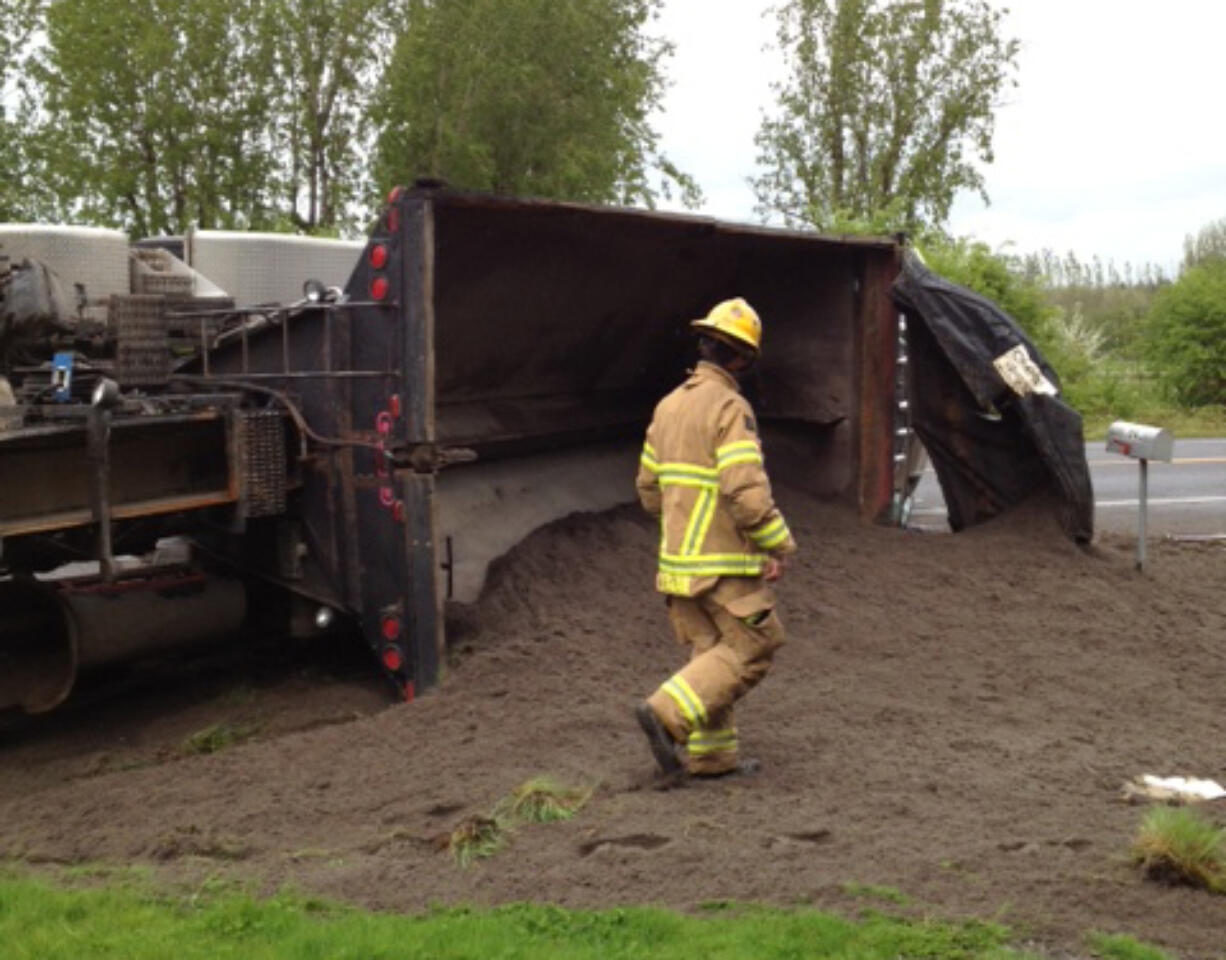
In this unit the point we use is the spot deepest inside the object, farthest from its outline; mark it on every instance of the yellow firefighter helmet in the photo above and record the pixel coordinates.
(734, 321)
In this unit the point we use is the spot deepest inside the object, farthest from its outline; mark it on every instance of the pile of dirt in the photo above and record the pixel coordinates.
(952, 717)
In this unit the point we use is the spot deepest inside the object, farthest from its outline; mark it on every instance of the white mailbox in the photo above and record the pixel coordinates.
(1140, 442)
(1144, 444)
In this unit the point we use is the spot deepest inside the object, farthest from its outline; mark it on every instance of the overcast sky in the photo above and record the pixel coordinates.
(1111, 143)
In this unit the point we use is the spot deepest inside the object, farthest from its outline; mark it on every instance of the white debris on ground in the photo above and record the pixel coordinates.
(1172, 789)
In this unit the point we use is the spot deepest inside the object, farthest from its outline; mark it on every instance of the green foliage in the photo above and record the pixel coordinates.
(153, 115)
(1209, 244)
(157, 113)
(974, 265)
(1123, 947)
(1188, 334)
(887, 108)
(528, 98)
(38, 920)
(20, 21)
(327, 61)
(1178, 845)
(1115, 302)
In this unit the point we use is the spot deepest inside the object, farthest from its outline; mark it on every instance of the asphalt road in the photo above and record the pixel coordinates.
(1187, 496)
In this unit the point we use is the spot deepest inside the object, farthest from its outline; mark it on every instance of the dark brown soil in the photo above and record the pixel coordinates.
(953, 717)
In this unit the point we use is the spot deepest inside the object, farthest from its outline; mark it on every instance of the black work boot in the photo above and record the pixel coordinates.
(662, 746)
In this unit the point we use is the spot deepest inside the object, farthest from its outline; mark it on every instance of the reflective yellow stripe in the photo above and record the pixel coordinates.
(683, 685)
(713, 565)
(696, 751)
(675, 583)
(683, 480)
(743, 451)
(700, 522)
(690, 470)
(713, 736)
(703, 743)
(737, 446)
(707, 517)
(771, 534)
(686, 700)
(776, 541)
(743, 458)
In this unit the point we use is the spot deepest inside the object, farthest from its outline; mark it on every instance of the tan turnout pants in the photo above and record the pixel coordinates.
(732, 632)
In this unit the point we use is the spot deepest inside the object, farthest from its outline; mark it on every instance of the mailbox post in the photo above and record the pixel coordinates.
(1142, 443)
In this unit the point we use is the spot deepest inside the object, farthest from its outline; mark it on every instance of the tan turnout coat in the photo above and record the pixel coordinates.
(702, 473)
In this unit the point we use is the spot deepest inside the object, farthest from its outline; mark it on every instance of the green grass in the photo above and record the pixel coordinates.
(539, 800)
(544, 800)
(49, 922)
(217, 737)
(1183, 423)
(1178, 845)
(1120, 946)
(477, 838)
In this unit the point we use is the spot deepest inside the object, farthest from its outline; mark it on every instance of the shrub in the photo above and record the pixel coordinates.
(1188, 334)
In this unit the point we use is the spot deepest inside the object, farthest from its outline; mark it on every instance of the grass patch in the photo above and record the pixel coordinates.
(539, 800)
(1177, 845)
(477, 838)
(544, 800)
(1119, 946)
(217, 737)
(1182, 422)
(48, 922)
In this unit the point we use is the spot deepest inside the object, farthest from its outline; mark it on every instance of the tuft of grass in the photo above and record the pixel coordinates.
(539, 800)
(1119, 946)
(217, 737)
(544, 800)
(477, 838)
(1177, 845)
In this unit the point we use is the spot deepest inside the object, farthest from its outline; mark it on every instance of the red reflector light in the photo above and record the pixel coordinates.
(393, 406)
(378, 288)
(399, 514)
(393, 220)
(394, 194)
(393, 659)
(390, 628)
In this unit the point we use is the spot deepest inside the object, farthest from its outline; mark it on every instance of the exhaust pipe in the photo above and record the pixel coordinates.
(49, 633)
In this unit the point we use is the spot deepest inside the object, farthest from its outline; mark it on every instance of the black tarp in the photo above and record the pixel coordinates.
(992, 444)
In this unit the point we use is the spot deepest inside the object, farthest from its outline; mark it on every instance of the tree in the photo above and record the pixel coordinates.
(1208, 244)
(1188, 334)
(158, 113)
(527, 97)
(20, 20)
(888, 105)
(327, 64)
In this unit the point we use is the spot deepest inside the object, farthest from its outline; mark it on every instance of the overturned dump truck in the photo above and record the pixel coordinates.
(185, 467)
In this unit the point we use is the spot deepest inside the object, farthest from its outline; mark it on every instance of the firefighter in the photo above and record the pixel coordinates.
(722, 544)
